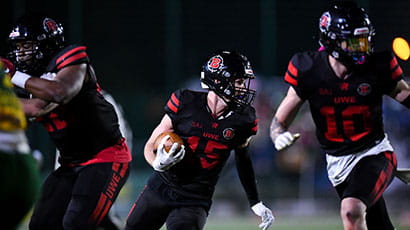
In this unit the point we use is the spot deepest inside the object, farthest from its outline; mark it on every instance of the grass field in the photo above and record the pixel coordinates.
(281, 223)
(329, 223)
(290, 214)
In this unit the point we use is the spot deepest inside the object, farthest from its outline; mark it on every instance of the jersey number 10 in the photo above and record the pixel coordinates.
(352, 123)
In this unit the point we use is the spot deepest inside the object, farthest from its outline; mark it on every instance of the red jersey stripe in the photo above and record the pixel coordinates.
(397, 72)
(115, 166)
(64, 56)
(100, 205)
(105, 211)
(289, 79)
(172, 106)
(175, 99)
(124, 169)
(72, 59)
(292, 69)
(395, 67)
(393, 63)
(384, 177)
(255, 128)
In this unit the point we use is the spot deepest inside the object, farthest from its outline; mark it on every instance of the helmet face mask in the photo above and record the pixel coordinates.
(25, 53)
(229, 75)
(33, 41)
(347, 33)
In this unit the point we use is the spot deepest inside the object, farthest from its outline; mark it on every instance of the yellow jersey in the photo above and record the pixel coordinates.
(12, 117)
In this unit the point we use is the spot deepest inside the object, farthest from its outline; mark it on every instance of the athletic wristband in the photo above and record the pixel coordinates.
(19, 79)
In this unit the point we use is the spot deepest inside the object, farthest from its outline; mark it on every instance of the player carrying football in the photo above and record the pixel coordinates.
(63, 94)
(212, 124)
(344, 85)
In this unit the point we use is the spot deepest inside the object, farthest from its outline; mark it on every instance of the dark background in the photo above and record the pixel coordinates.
(143, 50)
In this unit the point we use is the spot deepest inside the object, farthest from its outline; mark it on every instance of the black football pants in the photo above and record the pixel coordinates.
(76, 198)
(367, 182)
(152, 209)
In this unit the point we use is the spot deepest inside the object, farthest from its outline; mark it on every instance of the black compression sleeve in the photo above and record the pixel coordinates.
(246, 174)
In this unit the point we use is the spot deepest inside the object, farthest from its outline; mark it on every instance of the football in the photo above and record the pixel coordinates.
(173, 138)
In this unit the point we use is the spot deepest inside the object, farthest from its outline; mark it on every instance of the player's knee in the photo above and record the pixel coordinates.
(352, 209)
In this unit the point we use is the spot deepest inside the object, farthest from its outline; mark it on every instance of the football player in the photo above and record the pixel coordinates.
(18, 171)
(65, 97)
(211, 124)
(344, 84)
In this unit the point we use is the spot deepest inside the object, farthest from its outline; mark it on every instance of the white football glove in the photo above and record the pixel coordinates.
(285, 140)
(48, 76)
(265, 213)
(165, 160)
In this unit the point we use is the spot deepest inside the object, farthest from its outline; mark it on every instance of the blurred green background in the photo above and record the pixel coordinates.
(144, 50)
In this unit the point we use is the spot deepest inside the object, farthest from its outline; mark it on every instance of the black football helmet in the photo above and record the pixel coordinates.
(347, 33)
(221, 72)
(33, 41)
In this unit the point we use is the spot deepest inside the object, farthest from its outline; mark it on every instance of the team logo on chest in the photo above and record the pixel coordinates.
(228, 133)
(364, 89)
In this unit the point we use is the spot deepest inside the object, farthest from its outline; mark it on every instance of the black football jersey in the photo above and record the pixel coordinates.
(347, 112)
(208, 141)
(88, 123)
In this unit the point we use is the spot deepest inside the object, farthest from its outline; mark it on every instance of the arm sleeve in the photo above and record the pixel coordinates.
(246, 174)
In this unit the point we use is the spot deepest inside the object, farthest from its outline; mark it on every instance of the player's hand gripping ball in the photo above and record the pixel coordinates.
(169, 151)
(171, 139)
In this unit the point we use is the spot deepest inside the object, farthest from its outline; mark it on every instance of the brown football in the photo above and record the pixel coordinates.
(173, 138)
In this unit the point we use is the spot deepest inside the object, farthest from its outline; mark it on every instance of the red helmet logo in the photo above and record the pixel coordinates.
(324, 21)
(215, 63)
(50, 25)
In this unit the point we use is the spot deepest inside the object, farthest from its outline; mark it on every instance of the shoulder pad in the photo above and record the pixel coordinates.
(181, 97)
(380, 59)
(174, 101)
(299, 63)
(70, 55)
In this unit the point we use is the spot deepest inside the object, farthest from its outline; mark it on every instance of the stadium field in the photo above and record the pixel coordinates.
(281, 223)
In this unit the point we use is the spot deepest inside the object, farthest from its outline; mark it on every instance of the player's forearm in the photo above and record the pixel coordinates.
(276, 128)
(149, 154)
(36, 107)
(246, 175)
(286, 113)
